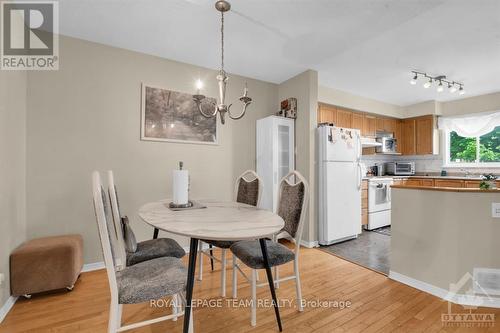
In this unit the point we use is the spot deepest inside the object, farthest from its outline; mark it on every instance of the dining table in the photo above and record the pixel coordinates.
(215, 220)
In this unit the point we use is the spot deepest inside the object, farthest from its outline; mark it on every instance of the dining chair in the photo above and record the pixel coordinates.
(143, 282)
(292, 202)
(146, 250)
(247, 190)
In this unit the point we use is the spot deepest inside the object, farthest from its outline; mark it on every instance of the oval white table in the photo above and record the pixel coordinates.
(229, 221)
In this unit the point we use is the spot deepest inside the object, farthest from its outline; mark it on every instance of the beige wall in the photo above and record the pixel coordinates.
(422, 109)
(86, 117)
(304, 87)
(482, 103)
(437, 237)
(12, 169)
(351, 101)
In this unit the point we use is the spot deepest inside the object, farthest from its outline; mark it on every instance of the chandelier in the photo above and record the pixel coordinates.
(222, 108)
(452, 86)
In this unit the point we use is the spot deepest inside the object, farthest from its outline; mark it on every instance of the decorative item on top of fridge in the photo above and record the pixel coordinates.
(288, 108)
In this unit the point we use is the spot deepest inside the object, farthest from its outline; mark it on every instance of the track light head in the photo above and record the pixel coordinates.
(440, 87)
(413, 81)
(461, 91)
(452, 88)
(428, 84)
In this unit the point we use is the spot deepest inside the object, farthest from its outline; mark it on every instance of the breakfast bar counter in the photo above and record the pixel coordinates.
(441, 235)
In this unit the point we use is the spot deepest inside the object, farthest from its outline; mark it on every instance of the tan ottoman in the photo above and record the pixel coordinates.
(46, 264)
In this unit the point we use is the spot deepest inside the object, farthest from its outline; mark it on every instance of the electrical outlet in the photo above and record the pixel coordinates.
(495, 209)
(2, 278)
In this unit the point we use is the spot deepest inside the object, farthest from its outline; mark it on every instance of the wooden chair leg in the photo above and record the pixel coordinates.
(253, 317)
(298, 286)
(114, 310)
(175, 307)
(235, 276)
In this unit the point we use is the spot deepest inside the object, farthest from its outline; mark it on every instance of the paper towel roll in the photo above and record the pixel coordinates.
(180, 186)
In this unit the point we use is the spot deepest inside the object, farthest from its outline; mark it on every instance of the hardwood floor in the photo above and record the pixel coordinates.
(378, 304)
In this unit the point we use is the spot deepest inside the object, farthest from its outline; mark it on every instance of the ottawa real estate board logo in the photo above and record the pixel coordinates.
(29, 35)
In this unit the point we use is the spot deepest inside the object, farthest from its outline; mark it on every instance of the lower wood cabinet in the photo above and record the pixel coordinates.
(364, 202)
(449, 183)
(472, 183)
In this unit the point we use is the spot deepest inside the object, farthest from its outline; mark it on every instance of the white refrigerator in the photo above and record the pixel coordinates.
(339, 184)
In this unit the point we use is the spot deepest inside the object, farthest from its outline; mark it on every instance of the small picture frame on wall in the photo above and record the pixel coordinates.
(172, 116)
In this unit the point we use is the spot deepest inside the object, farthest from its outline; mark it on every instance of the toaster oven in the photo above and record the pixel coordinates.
(400, 168)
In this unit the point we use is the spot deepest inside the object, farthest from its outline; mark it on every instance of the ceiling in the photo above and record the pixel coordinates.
(365, 47)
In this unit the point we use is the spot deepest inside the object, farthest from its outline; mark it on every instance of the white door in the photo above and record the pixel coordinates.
(343, 145)
(343, 200)
(284, 157)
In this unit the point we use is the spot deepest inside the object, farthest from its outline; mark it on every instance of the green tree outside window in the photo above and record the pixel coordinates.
(464, 150)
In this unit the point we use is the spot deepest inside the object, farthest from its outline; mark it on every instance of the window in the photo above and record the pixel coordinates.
(481, 151)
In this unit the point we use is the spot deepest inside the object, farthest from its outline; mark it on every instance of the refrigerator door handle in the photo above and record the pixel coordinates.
(359, 176)
(359, 148)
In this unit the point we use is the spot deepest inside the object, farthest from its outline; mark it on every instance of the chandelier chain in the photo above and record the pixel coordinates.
(222, 40)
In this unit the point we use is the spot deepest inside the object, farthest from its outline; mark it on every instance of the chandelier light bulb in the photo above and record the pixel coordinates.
(440, 87)
(199, 84)
(428, 84)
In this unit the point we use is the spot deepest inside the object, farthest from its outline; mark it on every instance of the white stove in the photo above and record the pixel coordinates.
(379, 202)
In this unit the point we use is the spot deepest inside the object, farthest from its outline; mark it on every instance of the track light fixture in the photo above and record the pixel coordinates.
(452, 86)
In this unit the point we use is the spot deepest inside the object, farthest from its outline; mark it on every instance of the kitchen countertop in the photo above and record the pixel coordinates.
(427, 176)
(447, 189)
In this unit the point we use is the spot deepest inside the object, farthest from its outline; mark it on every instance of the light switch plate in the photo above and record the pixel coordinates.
(495, 209)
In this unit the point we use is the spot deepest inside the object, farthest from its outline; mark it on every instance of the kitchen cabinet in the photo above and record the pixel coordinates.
(396, 126)
(364, 202)
(472, 183)
(408, 141)
(413, 182)
(419, 136)
(327, 114)
(369, 126)
(424, 127)
(449, 183)
(357, 121)
(344, 118)
(380, 124)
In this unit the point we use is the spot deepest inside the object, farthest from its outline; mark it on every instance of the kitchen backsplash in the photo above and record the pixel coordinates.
(423, 163)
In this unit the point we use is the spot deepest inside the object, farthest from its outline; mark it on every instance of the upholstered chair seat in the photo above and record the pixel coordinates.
(152, 279)
(250, 253)
(155, 248)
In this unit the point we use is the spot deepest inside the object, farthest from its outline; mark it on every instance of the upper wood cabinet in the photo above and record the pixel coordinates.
(419, 136)
(357, 121)
(344, 118)
(425, 135)
(408, 142)
(327, 114)
(415, 136)
(369, 126)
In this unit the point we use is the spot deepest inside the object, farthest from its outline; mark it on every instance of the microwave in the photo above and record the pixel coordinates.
(400, 168)
(387, 145)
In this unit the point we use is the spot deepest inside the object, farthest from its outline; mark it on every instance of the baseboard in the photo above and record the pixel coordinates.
(462, 299)
(4, 310)
(93, 266)
(309, 244)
